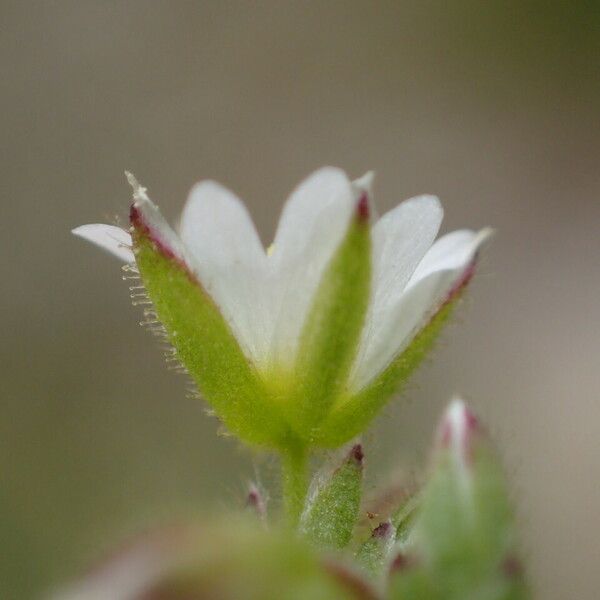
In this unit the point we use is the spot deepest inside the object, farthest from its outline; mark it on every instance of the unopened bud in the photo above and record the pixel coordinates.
(464, 530)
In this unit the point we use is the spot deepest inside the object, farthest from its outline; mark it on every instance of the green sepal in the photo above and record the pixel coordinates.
(331, 332)
(351, 415)
(333, 503)
(206, 346)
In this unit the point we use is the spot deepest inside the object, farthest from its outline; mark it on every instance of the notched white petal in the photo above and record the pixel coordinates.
(312, 225)
(452, 251)
(400, 240)
(113, 239)
(216, 226)
(227, 256)
(443, 269)
(327, 195)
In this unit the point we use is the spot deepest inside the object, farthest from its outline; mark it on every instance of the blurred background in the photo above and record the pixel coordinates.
(494, 106)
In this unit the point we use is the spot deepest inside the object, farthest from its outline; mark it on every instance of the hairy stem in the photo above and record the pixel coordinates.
(294, 466)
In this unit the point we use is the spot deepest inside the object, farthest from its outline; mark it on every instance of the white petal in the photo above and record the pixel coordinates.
(451, 251)
(216, 224)
(400, 240)
(440, 271)
(312, 224)
(226, 254)
(219, 245)
(113, 239)
(317, 209)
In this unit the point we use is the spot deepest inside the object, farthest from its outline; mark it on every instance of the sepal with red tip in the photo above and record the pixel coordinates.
(333, 502)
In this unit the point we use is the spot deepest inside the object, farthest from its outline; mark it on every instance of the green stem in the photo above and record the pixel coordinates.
(294, 466)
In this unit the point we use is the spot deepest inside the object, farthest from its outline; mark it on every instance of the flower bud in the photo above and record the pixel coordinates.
(463, 536)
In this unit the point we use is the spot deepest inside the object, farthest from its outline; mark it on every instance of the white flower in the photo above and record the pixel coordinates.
(265, 295)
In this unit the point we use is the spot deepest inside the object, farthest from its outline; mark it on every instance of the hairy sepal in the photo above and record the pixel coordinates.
(206, 346)
(352, 414)
(333, 503)
(331, 333)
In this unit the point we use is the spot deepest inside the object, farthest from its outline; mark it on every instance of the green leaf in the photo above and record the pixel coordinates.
(331, 333)
(352, 414)
(333, 503)
(206, 346)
